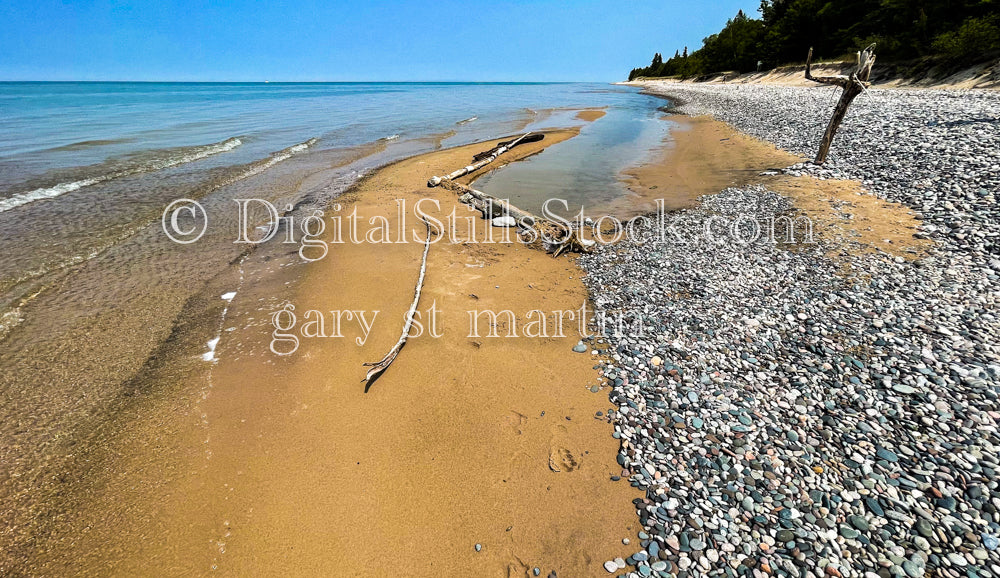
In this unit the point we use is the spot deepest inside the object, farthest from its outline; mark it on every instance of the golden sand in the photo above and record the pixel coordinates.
(291, 468)
(705, 156)
(591, 114)
(287, 466)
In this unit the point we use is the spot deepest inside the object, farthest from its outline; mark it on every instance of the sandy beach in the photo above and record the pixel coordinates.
(494, 455)
(464, 440)
(500, 289)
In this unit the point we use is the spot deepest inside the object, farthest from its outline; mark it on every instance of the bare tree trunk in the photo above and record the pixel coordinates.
(851, 91)
(852, 86)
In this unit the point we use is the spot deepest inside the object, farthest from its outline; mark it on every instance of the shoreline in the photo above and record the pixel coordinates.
(984, 76)
(493, 455)
(490, 441)
(521, 467)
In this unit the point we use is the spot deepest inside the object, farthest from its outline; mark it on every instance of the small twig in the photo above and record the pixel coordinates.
(380, 366)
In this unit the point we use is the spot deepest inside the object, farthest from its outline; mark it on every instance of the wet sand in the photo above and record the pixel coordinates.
(591, 114)
(286, 466)
(458, 442)
(704, 156)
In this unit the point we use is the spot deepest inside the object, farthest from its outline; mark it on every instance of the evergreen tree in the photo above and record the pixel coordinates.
(954, 31)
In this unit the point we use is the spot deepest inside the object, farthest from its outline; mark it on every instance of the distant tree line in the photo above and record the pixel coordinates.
(950, 31)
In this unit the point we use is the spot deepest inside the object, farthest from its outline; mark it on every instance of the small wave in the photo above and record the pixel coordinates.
(262, 165)
(48, 193)
(287, 153)
(86, 144)
(188, 156)
(468, 120)
(300, 147)
(390, 137)
(9, 320)
(197, 153)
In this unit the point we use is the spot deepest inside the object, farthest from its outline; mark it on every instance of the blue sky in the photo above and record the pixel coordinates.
(183, 40)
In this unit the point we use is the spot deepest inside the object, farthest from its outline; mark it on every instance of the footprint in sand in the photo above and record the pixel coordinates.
(516, 421)
(518, 569)
(561, 459)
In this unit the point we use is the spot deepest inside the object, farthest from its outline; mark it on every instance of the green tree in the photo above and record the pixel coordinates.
(957, 31)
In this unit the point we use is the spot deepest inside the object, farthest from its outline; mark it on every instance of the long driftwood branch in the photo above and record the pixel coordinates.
(380, 366)
(529, 138)
(852, 86)
(482, 162)
(487, 204)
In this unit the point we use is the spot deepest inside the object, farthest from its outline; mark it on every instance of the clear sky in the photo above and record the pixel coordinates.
(186, 40)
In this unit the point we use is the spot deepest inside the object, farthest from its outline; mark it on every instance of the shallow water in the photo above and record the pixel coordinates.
(100, 312)
(585, 171)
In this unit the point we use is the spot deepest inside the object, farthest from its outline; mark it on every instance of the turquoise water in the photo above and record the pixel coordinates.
(111, 155)
(48, 128)
(84, 166)
(88, 167)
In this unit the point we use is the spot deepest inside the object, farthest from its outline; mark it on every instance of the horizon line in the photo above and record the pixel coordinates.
(318, 81)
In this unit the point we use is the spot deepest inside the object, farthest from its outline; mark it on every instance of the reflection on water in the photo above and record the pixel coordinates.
(585, 170)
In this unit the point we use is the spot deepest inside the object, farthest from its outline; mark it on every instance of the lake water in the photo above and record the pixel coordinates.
(99, 309)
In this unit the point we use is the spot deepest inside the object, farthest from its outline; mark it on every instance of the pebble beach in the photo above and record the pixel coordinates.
(817, 410)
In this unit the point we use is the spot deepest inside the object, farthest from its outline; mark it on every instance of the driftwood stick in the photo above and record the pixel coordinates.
(533, 137)
(560, 238)
(496, 152)
(380, 366)
(852, 86)
(500, 207)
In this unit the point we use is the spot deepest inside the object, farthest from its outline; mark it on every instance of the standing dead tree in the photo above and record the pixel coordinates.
(852, 86)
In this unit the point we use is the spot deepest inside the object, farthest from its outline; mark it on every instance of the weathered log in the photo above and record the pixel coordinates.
(496, 207)
(556, 237)
(495, 153)
(852, 86)
(510, 144)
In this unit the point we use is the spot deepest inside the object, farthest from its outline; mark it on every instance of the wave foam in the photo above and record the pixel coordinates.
(210, 354)
(194, 154)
